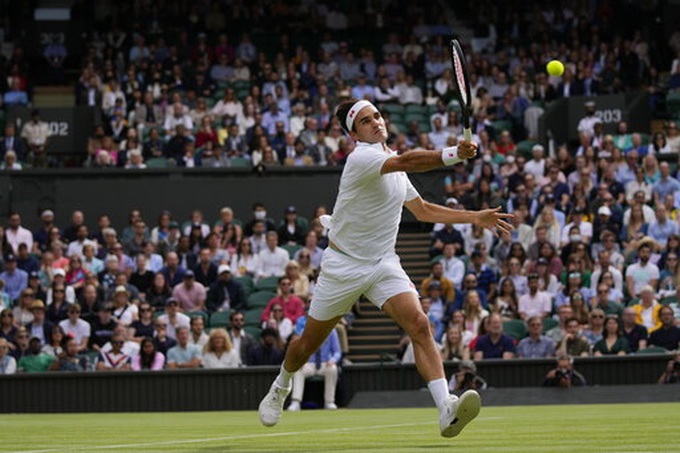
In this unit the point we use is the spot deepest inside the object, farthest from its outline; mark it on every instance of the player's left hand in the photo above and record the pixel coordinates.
(493, 220)
(467, 150)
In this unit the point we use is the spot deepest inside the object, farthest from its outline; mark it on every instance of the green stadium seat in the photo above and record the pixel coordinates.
(267, 284)
(159, 162)
(524, 148)
(424, 126)
(501, 125)
(653, 350)
(415, 116)
(260, 299)
(220, 319)
(291, 249)
(549, 323)
(254, 331)
(454, 106)
(515, 328)
(669, 300)
(415, 108)
(247, 283)
(393, 109)
(252, 317)
(239, 162)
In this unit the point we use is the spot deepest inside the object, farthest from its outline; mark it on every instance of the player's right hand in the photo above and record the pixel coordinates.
(467, 150)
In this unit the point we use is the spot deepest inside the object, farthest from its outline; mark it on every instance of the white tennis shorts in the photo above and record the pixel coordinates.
(344, 279)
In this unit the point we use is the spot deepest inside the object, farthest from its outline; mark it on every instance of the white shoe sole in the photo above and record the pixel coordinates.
(469, 404)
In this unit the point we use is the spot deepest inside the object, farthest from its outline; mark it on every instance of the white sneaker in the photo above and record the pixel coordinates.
(330, 406)
(458, 413)
(294, 406)
(271, 406)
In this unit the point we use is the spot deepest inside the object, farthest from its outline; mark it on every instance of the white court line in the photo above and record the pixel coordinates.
(247, 436)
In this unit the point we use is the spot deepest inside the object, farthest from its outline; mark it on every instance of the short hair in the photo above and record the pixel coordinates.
(342, 111)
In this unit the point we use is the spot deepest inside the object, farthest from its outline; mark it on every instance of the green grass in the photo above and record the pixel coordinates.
(584, 428)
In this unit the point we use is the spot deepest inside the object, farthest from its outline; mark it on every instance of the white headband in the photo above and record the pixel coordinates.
(356, 108)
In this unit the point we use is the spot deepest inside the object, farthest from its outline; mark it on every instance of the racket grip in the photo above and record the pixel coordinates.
(467, 134)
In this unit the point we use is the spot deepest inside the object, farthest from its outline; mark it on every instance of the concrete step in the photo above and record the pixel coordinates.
(356, 340)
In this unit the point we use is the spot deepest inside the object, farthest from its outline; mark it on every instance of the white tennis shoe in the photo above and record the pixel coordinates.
(458, 413)
(271, 406)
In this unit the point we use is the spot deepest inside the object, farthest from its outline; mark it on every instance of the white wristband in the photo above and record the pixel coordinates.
(450, 156)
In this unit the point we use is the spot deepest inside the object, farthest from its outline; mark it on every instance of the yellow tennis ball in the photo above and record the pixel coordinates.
(555, 68)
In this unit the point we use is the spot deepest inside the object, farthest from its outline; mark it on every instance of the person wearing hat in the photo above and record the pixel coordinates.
(35, 361)
(16, 280)
(647, 309)
(59, 278)
(585, 124)
(291, 231)
(466, 378)
(40, 327)
(536, 166)
(190, 294)
(124, 311)
(173, 318)
(42, 233)
(36, 133)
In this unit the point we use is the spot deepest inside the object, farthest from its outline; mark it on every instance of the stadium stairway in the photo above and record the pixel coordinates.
(374, 337)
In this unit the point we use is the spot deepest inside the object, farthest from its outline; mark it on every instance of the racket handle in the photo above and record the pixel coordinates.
(467, 134)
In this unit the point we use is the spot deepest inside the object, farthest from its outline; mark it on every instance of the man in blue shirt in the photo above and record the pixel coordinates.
(184, 355)
(322, 363)
(495, 344)
(535, 345)
(15, 279)
(662, 227)
(666, 185)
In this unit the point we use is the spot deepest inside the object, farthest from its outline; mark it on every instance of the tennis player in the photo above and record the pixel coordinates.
(361, 257)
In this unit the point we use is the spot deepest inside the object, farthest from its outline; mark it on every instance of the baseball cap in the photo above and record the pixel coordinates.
(47, 213)
(604, 210)
(290, 210)
(537, 147)
(120, 289)
(434, 284)
(542, 261)
(173, 224)
(34, 274)
(647, 289)
(549, 198)
(223, 268)
(58, 272)
(189, 274)
(451, 200)
(10, 257)
(171, 301)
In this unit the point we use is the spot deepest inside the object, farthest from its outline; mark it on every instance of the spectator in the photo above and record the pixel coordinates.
(35, 361)
(197, 334)
(190, 294)
(144, 326)
(671, 374)
(226, 293)
(269, 351)
(564, 376)
(453, 345)
(495, 344)
(535, 345)
(453, 268)
(8, 364)
(437, 276)
(148, 358)
(573, 343)
(595, 330)
(242, 341)
(173, 318)
(535, 302)
(53, 346)
(603, 302)
(161, 339)
(11, 142)
(114, 359)
(612, 342)
(506, 303)
(668, 335)
(184, 354)
(643, 273)
(273, 259)
(219, 351)
(647, 309)
(466, 378)
(124, 311)
(36, 133)
(69, 359)
(76, 328)
(322, 363)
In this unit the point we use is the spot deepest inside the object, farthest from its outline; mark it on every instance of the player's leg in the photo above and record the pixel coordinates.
(297, 355)
(454, 413)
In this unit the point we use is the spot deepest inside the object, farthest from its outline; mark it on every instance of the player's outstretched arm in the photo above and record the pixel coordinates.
(419, 161)
(492, 219)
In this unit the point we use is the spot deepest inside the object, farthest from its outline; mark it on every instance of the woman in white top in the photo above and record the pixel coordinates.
(245, 262)
(474, 313)
(219, 352)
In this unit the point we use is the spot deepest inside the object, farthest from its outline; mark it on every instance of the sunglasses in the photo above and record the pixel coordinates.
(59, 291)
(22, 336)
(116, 342)
(144, 309)
(597, 317)
(161, 326)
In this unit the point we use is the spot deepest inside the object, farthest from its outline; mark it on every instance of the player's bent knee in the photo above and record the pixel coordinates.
(419, 330)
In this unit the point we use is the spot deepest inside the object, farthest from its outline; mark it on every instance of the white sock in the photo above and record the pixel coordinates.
(439, 389)
(284, 377)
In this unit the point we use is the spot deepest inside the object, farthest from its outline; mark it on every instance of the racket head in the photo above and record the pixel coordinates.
(462, 80)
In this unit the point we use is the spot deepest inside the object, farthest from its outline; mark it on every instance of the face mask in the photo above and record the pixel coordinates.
(260, 215)
(575, 238)
(510, 159)
(486, 158)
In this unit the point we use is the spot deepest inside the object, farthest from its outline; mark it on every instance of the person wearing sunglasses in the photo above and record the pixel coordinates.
(114, 359)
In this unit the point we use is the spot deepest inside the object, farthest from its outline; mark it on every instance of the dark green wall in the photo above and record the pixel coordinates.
(116, 192)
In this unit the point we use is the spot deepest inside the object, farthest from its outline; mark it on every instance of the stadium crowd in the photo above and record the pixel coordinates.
(592, 268)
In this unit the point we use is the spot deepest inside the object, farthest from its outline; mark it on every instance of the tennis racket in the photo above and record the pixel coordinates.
(462, 80)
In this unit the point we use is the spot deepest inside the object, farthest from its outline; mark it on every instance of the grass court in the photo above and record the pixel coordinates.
(560, 428)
